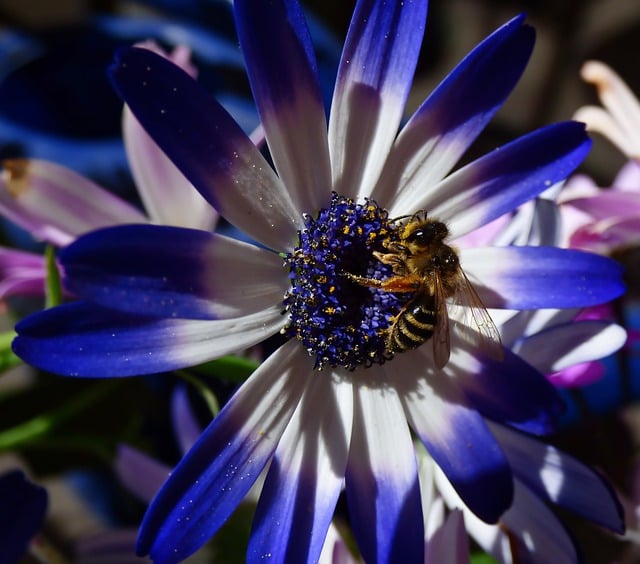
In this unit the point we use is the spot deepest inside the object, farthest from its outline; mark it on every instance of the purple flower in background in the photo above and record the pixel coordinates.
(618, 119)
(530, 531)
(602, 220)
(606, 220)
(330, 406)
(566, 345)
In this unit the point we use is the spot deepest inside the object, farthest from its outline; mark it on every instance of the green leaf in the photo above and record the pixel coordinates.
(233, 368)
(7, 358)
(45, 422)
(482, 558)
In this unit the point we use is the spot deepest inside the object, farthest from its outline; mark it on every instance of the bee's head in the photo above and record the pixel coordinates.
(423, 233)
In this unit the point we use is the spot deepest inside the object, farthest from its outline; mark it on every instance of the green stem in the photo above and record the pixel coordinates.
(42, 424)
(53, 287)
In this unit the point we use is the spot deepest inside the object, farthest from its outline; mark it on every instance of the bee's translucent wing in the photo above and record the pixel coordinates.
(478, 328)
(441, 337)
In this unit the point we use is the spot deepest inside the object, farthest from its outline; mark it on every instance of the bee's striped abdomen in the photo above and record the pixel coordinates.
(412, 327)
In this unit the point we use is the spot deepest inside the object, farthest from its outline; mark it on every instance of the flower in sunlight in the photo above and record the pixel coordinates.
(618, 119)
(602, 220)
(606, 220)
(567, 345)
(530, 531)
(344, 210)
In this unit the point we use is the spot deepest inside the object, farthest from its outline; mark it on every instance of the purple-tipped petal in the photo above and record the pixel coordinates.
(139, 473)
(207, 146)
(282, 68)
(382, 478)
(607, 235)
(607, 204)
(305, 477)
(528, 402)
(374, 78)
(81, 339)
(215, 475)
(561, 479)
(173, 272)
(578, 375)
(541, 277)
(500, 181)
(186, 426)
(449, 120)
(456, 437)
(56, 204)
(106, 547)
(449, 543)
(21, 273)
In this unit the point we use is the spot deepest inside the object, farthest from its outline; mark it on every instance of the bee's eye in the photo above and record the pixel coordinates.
(424, 235)
(419, 236)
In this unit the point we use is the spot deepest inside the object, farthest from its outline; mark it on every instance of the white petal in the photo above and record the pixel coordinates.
(565, 345)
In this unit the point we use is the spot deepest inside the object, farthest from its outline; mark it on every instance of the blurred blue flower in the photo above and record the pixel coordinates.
(23, 506)
(56, 102)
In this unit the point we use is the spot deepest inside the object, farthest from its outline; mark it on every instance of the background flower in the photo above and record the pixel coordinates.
(23, 510)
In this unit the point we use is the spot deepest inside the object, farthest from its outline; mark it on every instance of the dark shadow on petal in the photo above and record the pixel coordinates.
(290, 524)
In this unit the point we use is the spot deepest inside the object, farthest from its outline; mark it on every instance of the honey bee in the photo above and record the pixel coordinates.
(425, 266)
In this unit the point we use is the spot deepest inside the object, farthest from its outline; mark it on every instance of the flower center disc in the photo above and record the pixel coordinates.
(338, 320)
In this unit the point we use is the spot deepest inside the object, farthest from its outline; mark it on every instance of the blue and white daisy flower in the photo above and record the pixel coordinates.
(325, 409)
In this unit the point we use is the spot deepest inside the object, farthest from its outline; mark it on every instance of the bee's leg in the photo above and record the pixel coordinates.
(363, 280)
(397, 262)
(398, 284)
(396, 248)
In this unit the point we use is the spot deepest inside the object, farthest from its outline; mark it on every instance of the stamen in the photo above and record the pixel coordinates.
(338, 320)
